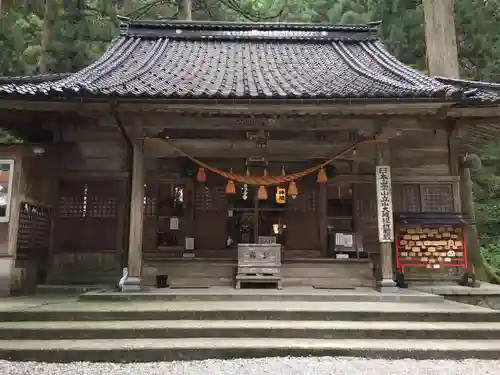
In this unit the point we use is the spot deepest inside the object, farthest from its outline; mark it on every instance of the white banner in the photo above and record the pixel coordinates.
(384, 204)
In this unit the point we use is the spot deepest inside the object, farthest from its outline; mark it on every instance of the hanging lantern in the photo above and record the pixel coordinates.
(201, 176)
(280, 195)
(292, 190)
(262, 194)
(230, 187)
(322, 178)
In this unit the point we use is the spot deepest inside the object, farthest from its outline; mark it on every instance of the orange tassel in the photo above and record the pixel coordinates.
(201, 176)
(262, 195)
(322, 178)
(292, 189)
(230, 187)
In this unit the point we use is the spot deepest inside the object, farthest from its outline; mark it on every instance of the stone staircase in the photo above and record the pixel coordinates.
(199, 327)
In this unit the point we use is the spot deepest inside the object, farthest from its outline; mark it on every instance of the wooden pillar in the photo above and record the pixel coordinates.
(323, 219)
(467, 203)
(441, 40)
(133, 282)
(356, 227)
(386, 283)
(256, 215)
(454, 163)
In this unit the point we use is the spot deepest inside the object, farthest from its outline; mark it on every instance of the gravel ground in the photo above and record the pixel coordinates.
(274, 366)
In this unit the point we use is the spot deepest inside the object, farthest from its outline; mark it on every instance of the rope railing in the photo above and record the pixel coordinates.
(266, 180)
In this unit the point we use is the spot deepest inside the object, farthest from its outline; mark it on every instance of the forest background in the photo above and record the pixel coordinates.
(59, 36)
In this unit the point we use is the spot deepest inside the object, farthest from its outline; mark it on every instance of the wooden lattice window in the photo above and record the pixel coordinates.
(311, 203)
(437, 198)
(210, 198)
(87, 216)
(71, 206)
(78, 202)
(305, 201)
(34, 229)
(150, 204)
(422, 198)
(102, 207)
(406, 197)
(72, 202)
(365, 199)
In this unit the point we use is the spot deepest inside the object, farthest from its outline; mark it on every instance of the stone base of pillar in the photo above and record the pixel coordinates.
(387, 286)
(6, 265)
(132, 284)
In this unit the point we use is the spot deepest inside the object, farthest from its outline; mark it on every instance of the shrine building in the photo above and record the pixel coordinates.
(186, 140)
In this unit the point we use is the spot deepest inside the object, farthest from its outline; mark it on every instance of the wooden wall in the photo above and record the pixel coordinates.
(206, 213)
(93, 149)
(37, 196)
(91, 211)
(425, 172)
(7, 231)
(25, 239)
(423, 177)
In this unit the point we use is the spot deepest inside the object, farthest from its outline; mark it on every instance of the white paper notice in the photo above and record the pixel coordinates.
(189, 243)
(174, 223)
(344, 239)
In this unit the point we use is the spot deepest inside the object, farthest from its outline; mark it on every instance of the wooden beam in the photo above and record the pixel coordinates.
(490, 112)
(268, 107)
(220, 148)
(155, 123)
(476, 121)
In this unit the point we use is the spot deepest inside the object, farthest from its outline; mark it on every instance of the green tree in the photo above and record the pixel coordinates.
(487, 201)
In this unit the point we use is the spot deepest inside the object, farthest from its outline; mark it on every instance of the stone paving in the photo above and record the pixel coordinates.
(272, 366)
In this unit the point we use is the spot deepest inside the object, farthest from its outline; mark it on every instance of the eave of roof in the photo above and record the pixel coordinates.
(485, 93)
(34, 79)
(207, 60)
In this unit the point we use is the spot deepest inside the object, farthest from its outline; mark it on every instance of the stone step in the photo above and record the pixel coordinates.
(150, 350)
(231, 294)
(67, 289)
(250, 310)
(155, 329)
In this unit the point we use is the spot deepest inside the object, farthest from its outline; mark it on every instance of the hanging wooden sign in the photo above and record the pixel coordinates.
(384, 204)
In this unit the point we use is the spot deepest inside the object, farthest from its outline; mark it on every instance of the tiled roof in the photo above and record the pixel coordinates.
(229, 60)
(485, 92)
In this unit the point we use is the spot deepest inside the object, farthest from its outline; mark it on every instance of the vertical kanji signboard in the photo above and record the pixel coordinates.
(384, 204)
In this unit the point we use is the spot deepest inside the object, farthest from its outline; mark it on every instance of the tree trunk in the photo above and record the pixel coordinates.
(441, 39)
(184, 10)
(4, 6)
(48, 23)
